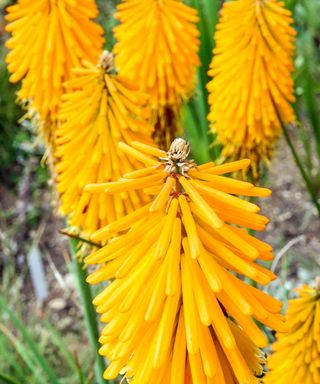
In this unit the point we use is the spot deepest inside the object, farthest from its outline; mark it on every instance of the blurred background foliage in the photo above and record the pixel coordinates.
(307, 79)
(45, 341)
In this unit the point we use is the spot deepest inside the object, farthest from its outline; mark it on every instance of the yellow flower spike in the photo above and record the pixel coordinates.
(247, 111)
(104, 109)
(175, 310)
(49, 38)
(158, 48)
(296, 354)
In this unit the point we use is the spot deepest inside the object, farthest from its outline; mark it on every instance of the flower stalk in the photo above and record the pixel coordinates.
(304, 174)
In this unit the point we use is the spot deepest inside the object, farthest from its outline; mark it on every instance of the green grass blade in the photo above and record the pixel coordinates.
(7, 380)
(307, 66)
(26, 356)
(30, 344)
(8, 358)
(63, 349)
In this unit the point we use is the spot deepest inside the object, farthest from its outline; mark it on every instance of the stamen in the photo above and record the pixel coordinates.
(106, 61)
(177, 157)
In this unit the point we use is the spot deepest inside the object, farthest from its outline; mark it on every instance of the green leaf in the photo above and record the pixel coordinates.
(7, 380)
(58, 340)
(24, 352)
(30, 345)
(197, 109)
(208, 11)
(8, 358)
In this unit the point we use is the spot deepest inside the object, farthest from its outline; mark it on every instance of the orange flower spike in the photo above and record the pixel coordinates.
(173, 293)
(296, 356)
(104, 109)
(49, 38)
(254, 39)
(164, 61)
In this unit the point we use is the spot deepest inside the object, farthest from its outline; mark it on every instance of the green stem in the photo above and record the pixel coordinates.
(303, 172)
(79, 238)
(312, 108)
(89, 313)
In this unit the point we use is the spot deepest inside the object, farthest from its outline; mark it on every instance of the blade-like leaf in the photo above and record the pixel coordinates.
(7, 380)
(63, 348)
(197, 109)
(30, 344)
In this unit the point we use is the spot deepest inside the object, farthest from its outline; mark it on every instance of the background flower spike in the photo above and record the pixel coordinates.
(49, 38)
(296, 354)
(251, 92)
(103, 109)
(164, 64)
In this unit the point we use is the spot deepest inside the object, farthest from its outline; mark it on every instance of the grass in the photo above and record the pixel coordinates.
(307, 82)
(32, 349)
